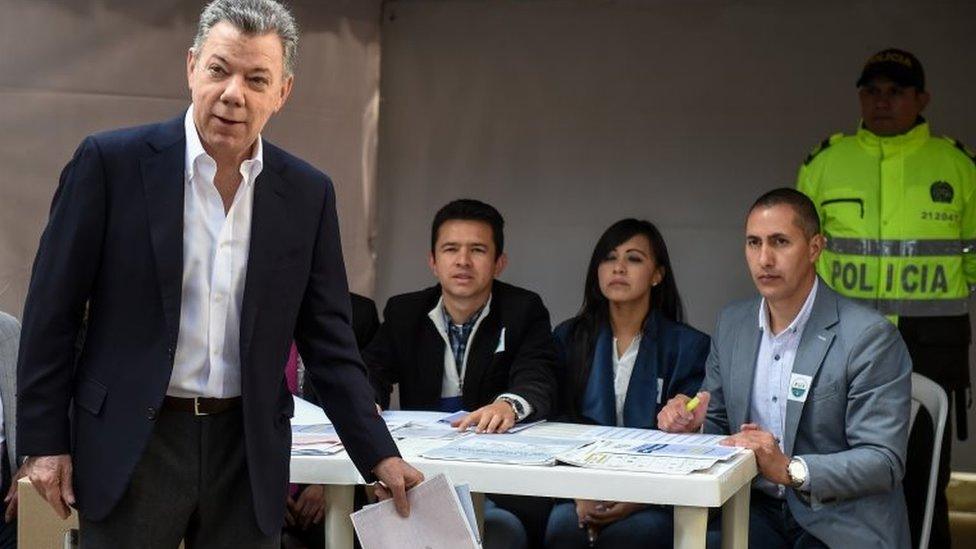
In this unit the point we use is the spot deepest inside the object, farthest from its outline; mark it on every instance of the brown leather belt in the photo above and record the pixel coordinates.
(201, 406)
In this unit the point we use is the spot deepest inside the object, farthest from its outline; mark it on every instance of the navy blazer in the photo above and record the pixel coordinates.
(114, 243)
(409, 351)
(671, 356)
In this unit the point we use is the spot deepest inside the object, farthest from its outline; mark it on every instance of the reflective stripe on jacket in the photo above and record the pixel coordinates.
(899, 214)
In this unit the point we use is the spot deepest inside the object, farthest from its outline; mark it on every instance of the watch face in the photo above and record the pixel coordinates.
(797, 473)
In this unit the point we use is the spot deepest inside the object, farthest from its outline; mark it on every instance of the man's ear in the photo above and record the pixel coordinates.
(285, 91)
(431, 263)
(500, 263)
(190, 65)
(817, 244)
(923, 100)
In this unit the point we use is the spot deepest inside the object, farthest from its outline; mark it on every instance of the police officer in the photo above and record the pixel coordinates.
(899, 211)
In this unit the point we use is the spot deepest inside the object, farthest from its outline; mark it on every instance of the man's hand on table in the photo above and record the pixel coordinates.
(496, 417)
(772, 462)
(674, 417)
(51, 477)
(395, 477)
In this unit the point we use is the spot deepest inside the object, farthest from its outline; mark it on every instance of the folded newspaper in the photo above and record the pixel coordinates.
(441, 517)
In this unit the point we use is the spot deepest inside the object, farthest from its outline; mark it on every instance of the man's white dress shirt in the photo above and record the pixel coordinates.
(215, 249)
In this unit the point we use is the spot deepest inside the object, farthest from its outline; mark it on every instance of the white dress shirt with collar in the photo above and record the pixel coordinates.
(452, 383)
(215, 250)
(770, 386)
(623, 368)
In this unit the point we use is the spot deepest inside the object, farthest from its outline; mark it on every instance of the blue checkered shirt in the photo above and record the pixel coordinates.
(458, 335)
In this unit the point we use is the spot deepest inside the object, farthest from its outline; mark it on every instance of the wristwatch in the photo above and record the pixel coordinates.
(797, 471)
(516, 407)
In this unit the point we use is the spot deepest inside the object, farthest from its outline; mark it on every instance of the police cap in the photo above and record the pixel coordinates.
(897, 65)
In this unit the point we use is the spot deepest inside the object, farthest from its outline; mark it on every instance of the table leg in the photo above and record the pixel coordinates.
(690, 525)
(338, 526)
(735, 519)
(478, 500)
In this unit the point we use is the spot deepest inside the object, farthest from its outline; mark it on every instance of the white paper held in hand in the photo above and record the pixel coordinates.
(438, 520)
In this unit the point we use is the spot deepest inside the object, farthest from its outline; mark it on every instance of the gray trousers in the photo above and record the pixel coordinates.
(191, 484)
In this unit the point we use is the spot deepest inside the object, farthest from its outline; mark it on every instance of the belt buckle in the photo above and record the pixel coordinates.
(196, 407)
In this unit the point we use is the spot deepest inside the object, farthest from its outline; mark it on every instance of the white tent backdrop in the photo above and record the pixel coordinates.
(569, 115)
(72, 67)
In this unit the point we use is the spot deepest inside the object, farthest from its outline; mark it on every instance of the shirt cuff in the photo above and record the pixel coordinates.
(526, 407)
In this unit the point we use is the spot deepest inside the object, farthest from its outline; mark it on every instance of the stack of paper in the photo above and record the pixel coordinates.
(653, 457)
(441, 517)
(315, 440)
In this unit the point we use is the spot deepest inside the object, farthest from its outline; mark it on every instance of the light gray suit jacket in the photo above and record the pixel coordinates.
(852, 429)
(9, 343)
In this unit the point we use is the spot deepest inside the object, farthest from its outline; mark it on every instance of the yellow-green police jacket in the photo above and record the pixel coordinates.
(899, 214)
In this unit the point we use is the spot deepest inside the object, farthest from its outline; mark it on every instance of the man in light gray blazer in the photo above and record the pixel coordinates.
(816, 386)
(9, 341)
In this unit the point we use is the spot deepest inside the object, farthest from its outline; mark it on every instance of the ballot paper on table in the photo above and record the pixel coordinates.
(616, 455)
(509, 449)
(650, 435)
(317, 449)
(441, 517)
(411, 416)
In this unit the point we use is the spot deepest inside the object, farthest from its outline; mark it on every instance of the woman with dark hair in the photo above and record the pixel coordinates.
(624, 356)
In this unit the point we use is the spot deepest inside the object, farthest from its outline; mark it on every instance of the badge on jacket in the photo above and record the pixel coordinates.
(799, 387)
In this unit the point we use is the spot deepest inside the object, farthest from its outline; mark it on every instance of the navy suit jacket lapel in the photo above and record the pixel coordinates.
(599, 401)
(640, 406)
(163, 179)
(269, 214)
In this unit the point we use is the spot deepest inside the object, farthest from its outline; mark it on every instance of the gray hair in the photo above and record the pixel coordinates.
(252, 17)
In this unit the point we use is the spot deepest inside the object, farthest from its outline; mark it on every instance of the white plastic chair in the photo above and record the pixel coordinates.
(929, 394)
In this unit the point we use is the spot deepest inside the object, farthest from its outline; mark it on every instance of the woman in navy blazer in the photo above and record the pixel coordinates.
(624, 356)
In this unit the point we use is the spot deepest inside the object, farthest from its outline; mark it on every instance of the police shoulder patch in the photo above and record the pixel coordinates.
(822, 146)
(963, 148)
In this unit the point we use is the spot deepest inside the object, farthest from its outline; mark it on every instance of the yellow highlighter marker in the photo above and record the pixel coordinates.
(692, 404)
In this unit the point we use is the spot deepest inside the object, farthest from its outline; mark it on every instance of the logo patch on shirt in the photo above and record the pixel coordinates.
(799, 387)
(941, 191)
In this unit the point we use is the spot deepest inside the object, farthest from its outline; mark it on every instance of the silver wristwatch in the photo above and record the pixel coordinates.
(797, 471)
(520, 412)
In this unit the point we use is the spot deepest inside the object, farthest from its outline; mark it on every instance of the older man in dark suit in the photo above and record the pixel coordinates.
(201, 251)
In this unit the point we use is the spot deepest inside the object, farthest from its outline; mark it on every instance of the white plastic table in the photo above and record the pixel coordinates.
(725, 485)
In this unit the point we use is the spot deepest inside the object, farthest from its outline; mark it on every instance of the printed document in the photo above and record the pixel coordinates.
(606, 454)
(510, 449)
(438, 520)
